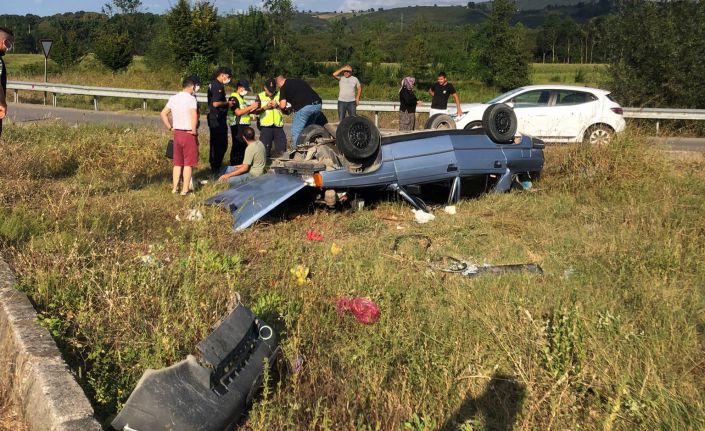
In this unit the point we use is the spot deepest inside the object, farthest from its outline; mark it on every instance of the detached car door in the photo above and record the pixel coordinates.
(531, 109)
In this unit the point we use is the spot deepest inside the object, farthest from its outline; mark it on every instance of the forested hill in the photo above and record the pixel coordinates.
(530, 14)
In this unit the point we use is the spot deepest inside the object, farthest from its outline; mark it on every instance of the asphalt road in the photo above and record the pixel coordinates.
(26, 113)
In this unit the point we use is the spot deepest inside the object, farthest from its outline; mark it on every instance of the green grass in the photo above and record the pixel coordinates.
(610, 337)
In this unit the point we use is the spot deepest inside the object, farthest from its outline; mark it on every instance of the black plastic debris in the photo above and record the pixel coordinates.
(208, 393)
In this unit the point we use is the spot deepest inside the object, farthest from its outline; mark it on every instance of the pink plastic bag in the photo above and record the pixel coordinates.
(312, 235)
(364, 309)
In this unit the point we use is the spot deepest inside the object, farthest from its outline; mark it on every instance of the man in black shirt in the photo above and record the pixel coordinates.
(441, 91)
(305, 102)
(218, 106)
(6, 42)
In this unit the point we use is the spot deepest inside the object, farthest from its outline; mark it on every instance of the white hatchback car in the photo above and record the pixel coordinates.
(555, 113)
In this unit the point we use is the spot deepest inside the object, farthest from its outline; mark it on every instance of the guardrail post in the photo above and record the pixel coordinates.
(657, 126)
(53, 96)
(95, 102)
(144, 104)
(17, 96)
(376, 119)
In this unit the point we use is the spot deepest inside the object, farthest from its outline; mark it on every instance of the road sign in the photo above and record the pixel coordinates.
(46, 46)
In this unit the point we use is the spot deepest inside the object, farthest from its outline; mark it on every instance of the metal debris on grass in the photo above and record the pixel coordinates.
(470, 269)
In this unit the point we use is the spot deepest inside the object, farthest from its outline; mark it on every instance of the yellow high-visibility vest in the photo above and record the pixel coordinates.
(243, 119)
(270, 117)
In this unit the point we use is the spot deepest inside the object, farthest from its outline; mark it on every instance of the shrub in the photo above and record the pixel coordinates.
(113, 49)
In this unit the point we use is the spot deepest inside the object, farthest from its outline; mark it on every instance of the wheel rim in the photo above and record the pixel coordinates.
(599, 137)
(360, 136)
(503, 122)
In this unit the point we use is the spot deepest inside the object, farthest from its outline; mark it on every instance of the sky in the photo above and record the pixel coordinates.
(51, 7)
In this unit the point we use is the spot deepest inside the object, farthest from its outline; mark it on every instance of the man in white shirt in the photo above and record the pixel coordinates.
(350, 91)
(184, 112)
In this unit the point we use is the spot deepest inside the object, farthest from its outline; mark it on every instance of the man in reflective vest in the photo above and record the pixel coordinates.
(271, 120)
(239, 117)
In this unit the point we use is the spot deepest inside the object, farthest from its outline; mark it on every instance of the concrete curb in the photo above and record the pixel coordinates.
(50, 398)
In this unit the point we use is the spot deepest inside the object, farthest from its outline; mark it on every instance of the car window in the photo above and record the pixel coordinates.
(571, 97)
(504, 96)
(532, 99)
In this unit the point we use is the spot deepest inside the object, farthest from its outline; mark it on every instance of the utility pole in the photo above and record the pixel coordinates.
(401, 26)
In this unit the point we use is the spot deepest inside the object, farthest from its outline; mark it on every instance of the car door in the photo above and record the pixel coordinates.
(531, 109)
(572, 112)
(424, 160)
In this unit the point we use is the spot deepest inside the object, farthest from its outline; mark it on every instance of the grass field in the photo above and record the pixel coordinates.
(609, 337)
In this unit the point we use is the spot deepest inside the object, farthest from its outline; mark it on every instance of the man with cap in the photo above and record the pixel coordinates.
(271, 120)
(239, 117)
(350, 91)
(6, 42)
(217, 117)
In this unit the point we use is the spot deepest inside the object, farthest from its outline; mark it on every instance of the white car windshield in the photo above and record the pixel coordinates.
(504, 96)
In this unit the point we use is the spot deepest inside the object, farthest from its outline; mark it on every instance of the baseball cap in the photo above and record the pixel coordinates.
(243, 83)
(271, 85)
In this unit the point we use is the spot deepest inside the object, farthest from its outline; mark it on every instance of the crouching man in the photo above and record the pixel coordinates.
(253, 163)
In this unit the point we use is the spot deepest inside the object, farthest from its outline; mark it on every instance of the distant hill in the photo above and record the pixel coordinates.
(532, 14)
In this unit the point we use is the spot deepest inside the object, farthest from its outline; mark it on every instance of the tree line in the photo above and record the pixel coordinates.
(654, 49)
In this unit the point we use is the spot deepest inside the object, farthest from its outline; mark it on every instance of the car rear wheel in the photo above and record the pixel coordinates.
(310, 135)
(440, 121)
(357, 138)
(599, 134)
(473, 125)
(500, 123)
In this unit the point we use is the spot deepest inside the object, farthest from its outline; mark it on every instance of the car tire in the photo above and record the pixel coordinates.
(357, 138)
(598, 134)
(439, 121)
(473, 125)
(310, 134)
(500, 123)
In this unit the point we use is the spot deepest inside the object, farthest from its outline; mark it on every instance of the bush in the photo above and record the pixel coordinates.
(113, 49)
(199, 66)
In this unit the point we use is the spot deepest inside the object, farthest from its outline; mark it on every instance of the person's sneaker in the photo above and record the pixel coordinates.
(174, 191)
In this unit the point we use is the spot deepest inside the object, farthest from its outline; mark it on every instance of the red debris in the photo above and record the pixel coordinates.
(364, 309)
(312, 235)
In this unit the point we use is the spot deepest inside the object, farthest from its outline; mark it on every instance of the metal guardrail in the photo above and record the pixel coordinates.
(369, 106)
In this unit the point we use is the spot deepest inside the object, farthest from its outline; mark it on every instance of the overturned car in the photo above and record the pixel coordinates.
(354, 155)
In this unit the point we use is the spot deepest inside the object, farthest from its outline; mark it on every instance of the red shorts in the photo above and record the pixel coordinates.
(185, 149)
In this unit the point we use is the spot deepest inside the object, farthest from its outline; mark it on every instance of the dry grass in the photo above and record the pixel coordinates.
(611, 336)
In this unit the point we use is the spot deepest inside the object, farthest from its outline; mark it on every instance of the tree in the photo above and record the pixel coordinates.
(66, 50)
(179, 25)
(193, 31)
(416, 57)
(501, 60)
(113, 49)
(658, 54)
(122, 6)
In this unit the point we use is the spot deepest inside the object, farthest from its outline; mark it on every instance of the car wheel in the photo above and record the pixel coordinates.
(599, 134)
(439, 122)
(310, 135)
(473, 125)
(357, 138)
(500, 123)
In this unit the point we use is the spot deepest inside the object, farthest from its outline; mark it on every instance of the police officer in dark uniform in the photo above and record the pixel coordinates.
(6, 42)
(218, 106)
